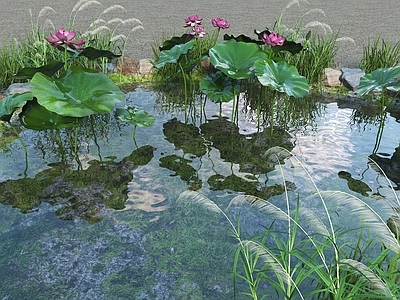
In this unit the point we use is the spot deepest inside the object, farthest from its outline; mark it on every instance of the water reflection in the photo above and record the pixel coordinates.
(82, 193)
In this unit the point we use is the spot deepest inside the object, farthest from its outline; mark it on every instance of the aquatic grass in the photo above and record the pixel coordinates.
(380, 53)
(313, 256)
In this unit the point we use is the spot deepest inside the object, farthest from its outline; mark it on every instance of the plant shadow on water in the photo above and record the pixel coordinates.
(143, 242)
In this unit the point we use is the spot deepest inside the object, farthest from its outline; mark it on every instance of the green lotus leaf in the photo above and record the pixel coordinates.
(50, 69)
(218, 87)
(172, 55)
(378, 80)
(242, 38)
(236, 59)
(134, 116)
(281, 77)
(12, 102)
(176, 40)
(93, 53)
(36, 117)
(79, 92)
(394, 88)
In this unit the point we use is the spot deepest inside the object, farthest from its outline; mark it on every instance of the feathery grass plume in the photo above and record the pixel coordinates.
(366, 276)
(111, 8)
(248, 260)
(79, 6)
(357, 208)
(325, 27)
(273, 263)
(42, 13)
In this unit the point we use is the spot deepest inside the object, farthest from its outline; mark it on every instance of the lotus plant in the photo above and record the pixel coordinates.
(65, 37)
(273, 39)
(59, 97)
(236, 58)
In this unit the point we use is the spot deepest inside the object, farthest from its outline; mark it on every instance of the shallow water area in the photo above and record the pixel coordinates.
(104, 222)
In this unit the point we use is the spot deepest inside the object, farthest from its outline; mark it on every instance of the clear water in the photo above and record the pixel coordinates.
(106, 224)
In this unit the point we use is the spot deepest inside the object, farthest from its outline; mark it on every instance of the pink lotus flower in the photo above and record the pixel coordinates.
(220, 23)
(193, 21)
(198, 31)
(65, 37)
(273, 39)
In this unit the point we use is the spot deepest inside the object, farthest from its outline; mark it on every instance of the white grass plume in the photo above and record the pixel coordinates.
(87, 4)
(365, 274)
(78, 4)
(293, 2)
(325, 27)
(273, 263)
(45, 10)
(370, 218)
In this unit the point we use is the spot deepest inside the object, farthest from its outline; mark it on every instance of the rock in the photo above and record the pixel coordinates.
(145, 66)
(17, 88)
(331, 77)
(350, 78)
(127, 66)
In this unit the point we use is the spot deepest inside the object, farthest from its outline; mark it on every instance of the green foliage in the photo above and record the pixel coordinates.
(12, 102)
(308, 254)
(218, 87)
(379, 80)
(36, 117)
(236, 59)
(281, 77)
(380, 54)
(31, 50)
(318, 54)
(172, 55)
(78, 92)
(134, 116)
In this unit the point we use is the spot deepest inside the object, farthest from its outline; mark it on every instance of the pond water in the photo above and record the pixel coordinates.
(104, 222)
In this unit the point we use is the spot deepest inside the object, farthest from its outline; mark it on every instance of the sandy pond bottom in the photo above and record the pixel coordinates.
(105, 223)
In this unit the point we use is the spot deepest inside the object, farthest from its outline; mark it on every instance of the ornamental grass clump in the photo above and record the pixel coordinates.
(323, 245)
(32, 50)
(380, 53)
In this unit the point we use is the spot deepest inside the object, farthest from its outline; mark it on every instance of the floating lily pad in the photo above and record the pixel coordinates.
(236, 59)
(281, 77)
(12, 102)
(79, 92)
(135, 116)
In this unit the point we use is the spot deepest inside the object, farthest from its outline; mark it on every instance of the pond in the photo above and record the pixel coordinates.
(104, 222)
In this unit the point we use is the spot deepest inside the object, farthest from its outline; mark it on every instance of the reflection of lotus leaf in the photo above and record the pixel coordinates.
(83, 193)
(245, 150)
(182, 168)
(184, 136)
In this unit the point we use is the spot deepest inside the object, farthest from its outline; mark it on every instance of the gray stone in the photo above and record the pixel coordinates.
(350, 78)
(331, 77)
(145, 66)
(17, 88)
